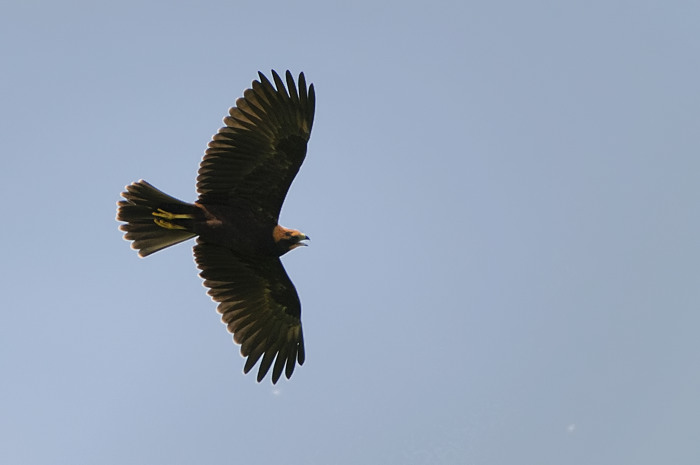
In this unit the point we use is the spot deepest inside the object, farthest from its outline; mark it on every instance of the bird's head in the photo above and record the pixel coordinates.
(288, 239)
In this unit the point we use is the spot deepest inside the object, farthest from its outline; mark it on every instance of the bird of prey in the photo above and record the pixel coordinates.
(242, 182)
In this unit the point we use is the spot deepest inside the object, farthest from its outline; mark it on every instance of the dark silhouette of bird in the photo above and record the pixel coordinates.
(242, 182)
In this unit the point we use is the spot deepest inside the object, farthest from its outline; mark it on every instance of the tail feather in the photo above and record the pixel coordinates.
(137, 211)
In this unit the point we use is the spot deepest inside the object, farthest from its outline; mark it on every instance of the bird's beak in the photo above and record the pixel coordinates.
(299, 244)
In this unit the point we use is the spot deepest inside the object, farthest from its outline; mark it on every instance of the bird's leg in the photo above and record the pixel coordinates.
(167, 222)
(172, 216)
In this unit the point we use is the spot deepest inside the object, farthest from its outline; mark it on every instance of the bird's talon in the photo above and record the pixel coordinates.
(167, 224)
(171, 216)
(163, 214)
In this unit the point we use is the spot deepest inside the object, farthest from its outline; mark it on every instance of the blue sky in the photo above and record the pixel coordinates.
(503, 201)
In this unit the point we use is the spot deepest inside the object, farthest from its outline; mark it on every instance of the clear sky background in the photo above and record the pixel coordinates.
(503, 201)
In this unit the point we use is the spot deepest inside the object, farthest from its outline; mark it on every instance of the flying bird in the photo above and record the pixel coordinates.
(242, 181)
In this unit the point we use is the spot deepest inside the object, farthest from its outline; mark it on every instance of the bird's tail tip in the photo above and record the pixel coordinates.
(153, 220)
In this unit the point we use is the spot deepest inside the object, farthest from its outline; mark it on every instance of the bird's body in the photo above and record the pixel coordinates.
(243, 179)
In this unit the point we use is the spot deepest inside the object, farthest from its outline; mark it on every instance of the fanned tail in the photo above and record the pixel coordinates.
(154, 220)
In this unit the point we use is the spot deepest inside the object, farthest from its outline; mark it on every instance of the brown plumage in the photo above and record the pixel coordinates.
(243, 179)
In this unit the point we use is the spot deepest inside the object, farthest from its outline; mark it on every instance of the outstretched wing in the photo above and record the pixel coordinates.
(259, 305)
(255, 157)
